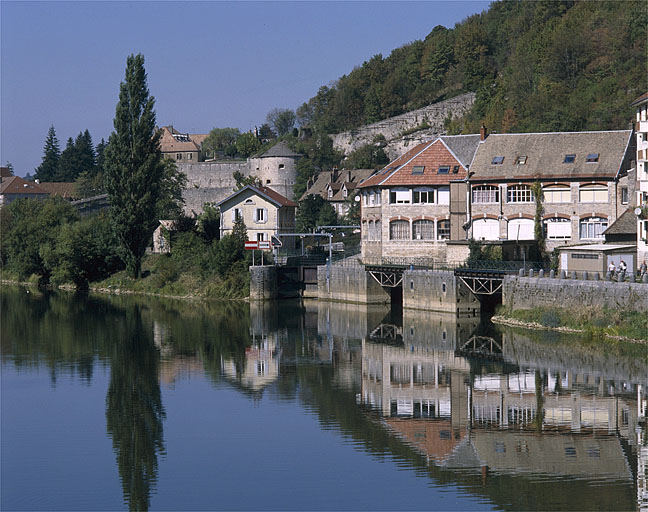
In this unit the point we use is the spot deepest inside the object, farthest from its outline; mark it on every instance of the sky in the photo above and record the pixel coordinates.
(209, 64)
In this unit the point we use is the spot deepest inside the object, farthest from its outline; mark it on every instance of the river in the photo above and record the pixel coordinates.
(122, 402)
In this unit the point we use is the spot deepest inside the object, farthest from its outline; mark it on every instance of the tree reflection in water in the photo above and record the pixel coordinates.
(134, 411)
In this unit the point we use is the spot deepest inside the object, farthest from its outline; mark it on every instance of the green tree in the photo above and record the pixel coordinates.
(244, 181)
(327, 215)
(172, 183)
(282, 120)
(68, 163)
(369, 156)
(33, 232)
(247, 144)
(48, 168)
(538, 227)
(219, 141)
(308, 213)
(133, 166)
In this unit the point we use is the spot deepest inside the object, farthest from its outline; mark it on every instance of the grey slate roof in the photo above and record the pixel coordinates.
(324, 179)
(626, 224)
(546, 152)
(280, 149)
(463, 146)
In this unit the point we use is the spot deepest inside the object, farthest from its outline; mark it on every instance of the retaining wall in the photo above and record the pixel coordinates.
(349, 284)
(263, 283)
(531, 292)
(437, 291)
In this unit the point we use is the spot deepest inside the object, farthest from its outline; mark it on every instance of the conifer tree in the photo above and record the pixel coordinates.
(68, 162)
(51, 155)
(85, 154)
(133, 165)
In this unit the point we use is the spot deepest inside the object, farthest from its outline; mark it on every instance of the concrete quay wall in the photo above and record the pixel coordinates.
(349, 284)
(531, 292)
(437, 291)
(264, 283)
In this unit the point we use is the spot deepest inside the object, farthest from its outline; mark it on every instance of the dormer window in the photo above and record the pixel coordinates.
(569, 159)
(521, 160)
(330, 192)
(444, 169)
(498, 160)
(592, 158)
(418, 169)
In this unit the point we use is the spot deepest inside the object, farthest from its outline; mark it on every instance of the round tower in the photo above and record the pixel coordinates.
(276, 168)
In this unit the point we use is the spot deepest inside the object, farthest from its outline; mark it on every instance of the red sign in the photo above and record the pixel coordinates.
(251, 245)
(264, 244)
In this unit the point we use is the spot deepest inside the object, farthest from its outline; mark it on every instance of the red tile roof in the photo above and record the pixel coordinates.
(67, 190)
(17, 185)
(275, 196)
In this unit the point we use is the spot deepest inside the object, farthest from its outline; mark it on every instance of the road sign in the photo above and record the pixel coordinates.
(250, 245)
(264, 244)
(275, 241)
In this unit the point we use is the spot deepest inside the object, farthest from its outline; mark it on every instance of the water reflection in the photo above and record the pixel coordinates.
(522, 420)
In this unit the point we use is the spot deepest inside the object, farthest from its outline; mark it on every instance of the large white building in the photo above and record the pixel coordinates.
(641, 129)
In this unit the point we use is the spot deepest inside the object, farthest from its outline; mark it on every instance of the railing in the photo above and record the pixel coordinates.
(432, 264)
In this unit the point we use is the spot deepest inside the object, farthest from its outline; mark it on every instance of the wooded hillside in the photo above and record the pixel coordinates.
(546, 65)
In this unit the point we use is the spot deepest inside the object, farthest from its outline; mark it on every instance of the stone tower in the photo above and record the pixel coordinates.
(276, 168)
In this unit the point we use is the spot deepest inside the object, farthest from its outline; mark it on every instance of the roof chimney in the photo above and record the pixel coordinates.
(483, 133)
(349, 177)
(334, 175)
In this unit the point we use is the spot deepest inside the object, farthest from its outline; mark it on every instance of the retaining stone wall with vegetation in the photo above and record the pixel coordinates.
(531, 292)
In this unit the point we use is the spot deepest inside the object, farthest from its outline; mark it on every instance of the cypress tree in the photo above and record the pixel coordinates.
(48, 168)
(133, 165)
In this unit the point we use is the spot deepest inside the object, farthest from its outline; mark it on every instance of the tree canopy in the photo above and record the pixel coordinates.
(134, 171)
(48, 168)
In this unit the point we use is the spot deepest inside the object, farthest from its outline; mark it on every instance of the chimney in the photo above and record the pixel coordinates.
(483, 133)
(334, 175)
(349, 178)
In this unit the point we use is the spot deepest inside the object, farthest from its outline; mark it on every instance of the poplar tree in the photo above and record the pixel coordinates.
(133, 166)
(48, 168)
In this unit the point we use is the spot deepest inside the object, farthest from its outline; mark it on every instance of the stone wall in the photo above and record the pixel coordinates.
(393, 128)
(530, 292)
(263, 283)
(437, 291)
(349, 284)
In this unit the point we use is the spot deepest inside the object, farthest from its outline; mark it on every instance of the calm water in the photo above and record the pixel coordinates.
(121, 402)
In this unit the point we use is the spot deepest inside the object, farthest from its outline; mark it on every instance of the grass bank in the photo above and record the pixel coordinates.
(595, 322)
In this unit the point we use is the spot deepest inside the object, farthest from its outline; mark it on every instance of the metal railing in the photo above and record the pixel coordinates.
(432, 264)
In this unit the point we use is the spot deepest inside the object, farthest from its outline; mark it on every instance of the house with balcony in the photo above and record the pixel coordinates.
(266, 213)
(417, 205)
(584, 179)
(641, 201)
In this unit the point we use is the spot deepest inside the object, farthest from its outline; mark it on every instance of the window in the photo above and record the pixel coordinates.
(365, 199)
(486, 229)
(378, 231)
(443, 195)
(399, 230)
(578, 256)
(423, 196)
(178, 156)
(418, 169)
(498, 160)
(344, 192)
(569, 159)
(372, 199)
(400, 196)
(455, 169)
(593, 194)
(624, 195)
(519, 194)
(558, 228)
(237, 214)
(261, 215)
(190, 156)
(267, 182)
(281, 166)
(377, 197)
(444, 169)
(443, 230)
(520, 229)
(485, 194)
(261, 237)
(591, 228)
(557, 194)
(330, 192)
(521, 160)
(592, 157)
(423, 230)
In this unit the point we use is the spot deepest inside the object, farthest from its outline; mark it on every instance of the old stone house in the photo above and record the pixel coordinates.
(339, 188)
(416, 206)
(181, 147)
(265, 213)
(584, 178)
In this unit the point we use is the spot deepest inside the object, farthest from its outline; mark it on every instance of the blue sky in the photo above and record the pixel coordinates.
(209, 64)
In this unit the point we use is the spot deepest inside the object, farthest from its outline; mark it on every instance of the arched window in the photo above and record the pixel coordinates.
(423, 230)
(557, 228)
(519, 194)
(485, 229)
(557, 194)
(485, 194)
(593, 193)
(399, 230)
(520, 229)
(443, 230)
(378, 231)
(591, 228)
(372, 230)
